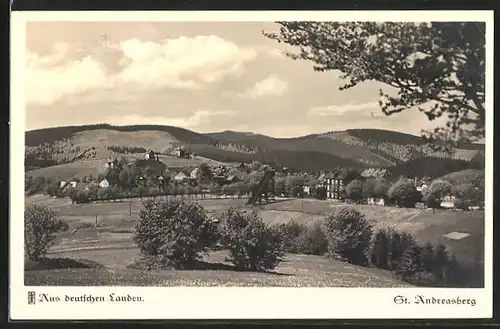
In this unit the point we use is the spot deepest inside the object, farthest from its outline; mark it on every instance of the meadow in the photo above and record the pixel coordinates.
(99, 241)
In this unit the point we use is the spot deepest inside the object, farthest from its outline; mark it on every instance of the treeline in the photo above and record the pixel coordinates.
(51, 135)
(307, 161)
(127, 149)
(432, 167)
(421, 264)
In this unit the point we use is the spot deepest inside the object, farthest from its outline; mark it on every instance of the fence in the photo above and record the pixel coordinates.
(201, 196)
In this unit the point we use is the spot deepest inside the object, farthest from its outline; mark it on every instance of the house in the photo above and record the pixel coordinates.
(334, 182)
(73, 184)
(63, 184)
(181, 177)
(195, 174)
(112, 163)
(150, 155)
(104, 183)
(180, 152)
(334, 185)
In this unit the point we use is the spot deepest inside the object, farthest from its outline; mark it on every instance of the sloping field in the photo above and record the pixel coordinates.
(425, 225)
(295, 271)
(463, 176)
(73, 169)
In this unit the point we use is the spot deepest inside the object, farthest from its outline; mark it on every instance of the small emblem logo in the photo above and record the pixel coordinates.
(31, 298)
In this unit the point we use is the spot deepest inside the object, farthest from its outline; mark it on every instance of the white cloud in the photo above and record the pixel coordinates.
(134, 66)
(335, 110)
(270, 86)
(196, 119)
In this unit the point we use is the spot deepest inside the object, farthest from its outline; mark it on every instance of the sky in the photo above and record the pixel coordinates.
(207, 77)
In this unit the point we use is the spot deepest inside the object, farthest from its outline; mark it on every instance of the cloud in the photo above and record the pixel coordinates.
(340, 110)
(270, 86)
(134, 66)
(195, 120)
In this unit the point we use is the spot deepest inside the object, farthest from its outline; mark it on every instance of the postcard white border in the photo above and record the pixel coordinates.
(235, 303)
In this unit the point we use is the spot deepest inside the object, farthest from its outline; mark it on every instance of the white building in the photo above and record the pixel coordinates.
(104, 183)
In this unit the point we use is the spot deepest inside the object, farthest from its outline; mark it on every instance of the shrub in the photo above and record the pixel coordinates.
(433, 195)
(469, 194)
(40, 226)
(412, 262)
(349, 235)
(380, 189)
(313, 241)
(354, 190)
(173, 232)
(319, 193)
(461, 204)
(252, 244)
(403, 193)
(369, 188)
(380, 250)
(304, 239)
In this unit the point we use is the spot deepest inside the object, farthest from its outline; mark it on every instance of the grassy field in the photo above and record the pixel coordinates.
(110, 244)
(463, 176)
(94, 167)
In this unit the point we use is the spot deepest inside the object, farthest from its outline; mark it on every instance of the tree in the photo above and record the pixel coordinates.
(437, 67)
(381, 188)
(354, 190)
(467, 195)
(369, 188)
(173, 233)
(40, 226)
(349, 235)
(295, 185)
(403, 193)
(252, 243)
(433, 194)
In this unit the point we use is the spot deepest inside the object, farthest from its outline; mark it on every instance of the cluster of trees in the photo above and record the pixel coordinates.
(127, 149)
(346, 235)
(404, 193)
(255, 245)
(433, 167)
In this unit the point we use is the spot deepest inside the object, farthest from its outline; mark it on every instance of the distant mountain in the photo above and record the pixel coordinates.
(350, 148)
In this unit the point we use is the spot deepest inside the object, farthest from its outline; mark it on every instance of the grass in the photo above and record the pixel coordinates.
(110, 244)
(424, 224)
(295, 271)
(463, 176)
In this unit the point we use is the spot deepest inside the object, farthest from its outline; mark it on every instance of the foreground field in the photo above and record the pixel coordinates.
(110, 245)
(295, 271)
(425, 225)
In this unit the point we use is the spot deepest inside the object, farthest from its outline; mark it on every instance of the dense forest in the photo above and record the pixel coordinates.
(51, 135)
(432, 167)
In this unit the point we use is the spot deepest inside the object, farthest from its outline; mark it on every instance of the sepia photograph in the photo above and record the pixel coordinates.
(275, 153)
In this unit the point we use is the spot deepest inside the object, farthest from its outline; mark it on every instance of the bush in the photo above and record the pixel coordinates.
(349, 235)
(40, 226)
(380, 251)
(461, 204)
(354, 190)
(252, 244)
(319, 193)
(403, 193)
(469, 194)
(369, 188)
(173, 233)
(433, 195)
(304, 239)
(381, 188)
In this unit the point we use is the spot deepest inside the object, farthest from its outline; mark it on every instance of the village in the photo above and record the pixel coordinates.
(148, 176)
